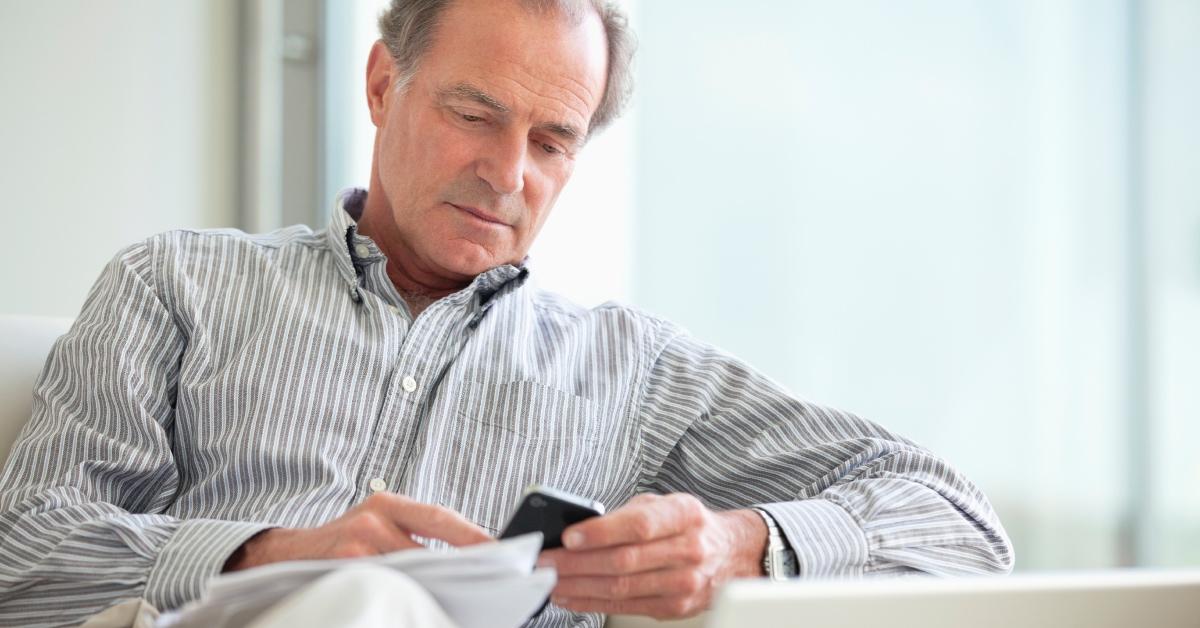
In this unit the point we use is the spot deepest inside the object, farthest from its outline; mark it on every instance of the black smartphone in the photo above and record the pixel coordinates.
(549, 511)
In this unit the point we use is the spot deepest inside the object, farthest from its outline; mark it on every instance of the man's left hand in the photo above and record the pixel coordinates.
(658, 555)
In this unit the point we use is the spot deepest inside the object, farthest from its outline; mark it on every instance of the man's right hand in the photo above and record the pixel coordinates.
(384, 522)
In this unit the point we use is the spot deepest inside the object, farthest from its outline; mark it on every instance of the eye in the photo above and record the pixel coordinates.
(550, 149)
(466, 117)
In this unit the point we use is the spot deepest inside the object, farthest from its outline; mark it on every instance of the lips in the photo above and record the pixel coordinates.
(480, 214)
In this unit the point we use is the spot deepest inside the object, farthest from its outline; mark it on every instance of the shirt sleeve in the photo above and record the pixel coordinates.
(850, 497)
(84, 492)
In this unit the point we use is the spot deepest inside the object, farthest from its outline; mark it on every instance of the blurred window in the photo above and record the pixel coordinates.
(977, 223)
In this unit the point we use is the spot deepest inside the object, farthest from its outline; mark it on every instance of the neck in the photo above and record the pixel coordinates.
(416, 303)
(413, 279)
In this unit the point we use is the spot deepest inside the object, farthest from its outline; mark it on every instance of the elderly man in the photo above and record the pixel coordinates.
(225, 401)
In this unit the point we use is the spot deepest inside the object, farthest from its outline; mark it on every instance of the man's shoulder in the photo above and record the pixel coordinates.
(177, 257)
(180, 249)
(557, 309)
(184, 240)
(555, 304)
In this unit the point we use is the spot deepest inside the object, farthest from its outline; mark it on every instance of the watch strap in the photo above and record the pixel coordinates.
(779, 561)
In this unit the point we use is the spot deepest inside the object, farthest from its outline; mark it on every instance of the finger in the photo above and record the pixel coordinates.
(676, 551)
(637, 521)
(642, 498)
(429, 521)
(365, 531)
(658, 608)
(661, 583)
(393, 540)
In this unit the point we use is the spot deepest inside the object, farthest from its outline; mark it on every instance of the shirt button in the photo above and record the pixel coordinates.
(394, 310)
(409, 384)
(377, 484)
(362, 250)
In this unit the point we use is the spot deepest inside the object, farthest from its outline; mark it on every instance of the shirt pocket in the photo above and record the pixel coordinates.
(509, 435)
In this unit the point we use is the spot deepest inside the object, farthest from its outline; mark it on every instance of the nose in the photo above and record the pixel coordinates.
(502, 164)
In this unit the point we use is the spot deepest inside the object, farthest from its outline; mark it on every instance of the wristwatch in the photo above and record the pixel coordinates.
(779, 561)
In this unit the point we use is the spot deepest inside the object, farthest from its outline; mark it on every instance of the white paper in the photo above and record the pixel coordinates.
(479, 586)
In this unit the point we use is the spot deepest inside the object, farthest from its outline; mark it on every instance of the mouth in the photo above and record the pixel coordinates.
(480, 214)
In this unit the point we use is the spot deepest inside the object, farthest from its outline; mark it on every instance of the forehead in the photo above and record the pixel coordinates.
(539, 63)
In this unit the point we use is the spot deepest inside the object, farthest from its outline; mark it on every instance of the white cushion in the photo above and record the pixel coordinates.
(26, 341)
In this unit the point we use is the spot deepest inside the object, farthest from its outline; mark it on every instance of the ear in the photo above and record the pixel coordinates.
(381, 70)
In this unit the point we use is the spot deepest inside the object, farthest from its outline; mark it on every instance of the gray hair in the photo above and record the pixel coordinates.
(407, 29)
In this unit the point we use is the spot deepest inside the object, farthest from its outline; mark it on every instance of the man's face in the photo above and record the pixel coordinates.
(471, 155)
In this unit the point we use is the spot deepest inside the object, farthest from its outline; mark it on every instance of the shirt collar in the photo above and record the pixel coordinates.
(353, 252)
(342, 237)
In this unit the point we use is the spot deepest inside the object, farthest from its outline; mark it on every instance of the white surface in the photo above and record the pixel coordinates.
(24, 343)
(118, 120)
(1115, 599)
(636, 621)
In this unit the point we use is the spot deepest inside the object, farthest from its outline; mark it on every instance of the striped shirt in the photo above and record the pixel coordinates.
(216, 384)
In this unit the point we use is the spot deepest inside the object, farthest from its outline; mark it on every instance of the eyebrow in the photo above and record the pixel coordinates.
(565, 132)
(469, 92)
(476, 95)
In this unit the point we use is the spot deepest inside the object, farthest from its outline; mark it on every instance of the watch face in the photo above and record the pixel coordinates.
(790, 568)
(779, 565)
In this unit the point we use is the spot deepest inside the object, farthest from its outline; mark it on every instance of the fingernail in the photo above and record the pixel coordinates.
(572, 539)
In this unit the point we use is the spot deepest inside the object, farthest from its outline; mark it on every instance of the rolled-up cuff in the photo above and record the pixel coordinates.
(194, 554)
(828, 542)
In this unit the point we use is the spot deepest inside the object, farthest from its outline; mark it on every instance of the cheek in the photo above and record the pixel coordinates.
(423, 152)
(447, 150)
(414, 160)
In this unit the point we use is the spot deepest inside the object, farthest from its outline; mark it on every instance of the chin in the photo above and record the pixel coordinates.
(469, 259)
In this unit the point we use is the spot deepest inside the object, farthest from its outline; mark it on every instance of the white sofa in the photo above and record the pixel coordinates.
(26, 341)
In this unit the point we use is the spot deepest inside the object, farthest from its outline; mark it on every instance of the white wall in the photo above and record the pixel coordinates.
(117, 121)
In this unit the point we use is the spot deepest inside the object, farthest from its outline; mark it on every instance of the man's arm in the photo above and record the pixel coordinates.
(382, 523)
(850, 497)
(85, 486)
